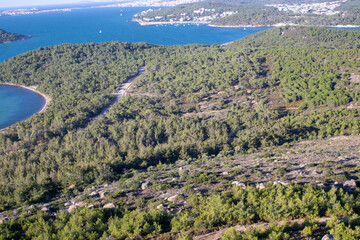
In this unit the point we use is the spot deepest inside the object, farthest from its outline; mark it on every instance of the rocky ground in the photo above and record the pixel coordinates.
(328, 162)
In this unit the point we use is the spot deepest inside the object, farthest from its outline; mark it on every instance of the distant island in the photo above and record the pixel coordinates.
(136, 3)
(27, 11)
(343, 13)
(6, 37)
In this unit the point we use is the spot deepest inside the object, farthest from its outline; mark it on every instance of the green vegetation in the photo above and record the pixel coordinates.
(233, 206)
(300, 37)
(6, 37)
(192, 102)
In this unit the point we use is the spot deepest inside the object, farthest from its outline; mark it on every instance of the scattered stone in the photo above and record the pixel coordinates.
(181, 169)
(31, 207)
(158, 207)
(103, 194)
(146, 185)
(328, 237)
(93, 188)
(45, 209)
(225, 173)
(260, 186)
(109, 206)
(94, 194)
(2, 220)
(173, 198)
(72, 186)
(281, 183)
(72, 208)
(350, 185)
(316, 172)
(91, 206)
(111, 238)
(343, 158)
(239, 184)
(67, 204)
(80, 204)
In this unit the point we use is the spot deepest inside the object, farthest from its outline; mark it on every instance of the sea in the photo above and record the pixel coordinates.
(104, 25)
(18, 104)
(91, 25)
(83, 25)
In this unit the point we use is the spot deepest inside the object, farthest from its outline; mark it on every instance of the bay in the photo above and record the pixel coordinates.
(18, 104)
(84, 25)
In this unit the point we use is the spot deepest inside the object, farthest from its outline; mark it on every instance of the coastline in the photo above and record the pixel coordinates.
(242, 26)
(18, 40)
(280, 25)
(143, 23)
(33, 88)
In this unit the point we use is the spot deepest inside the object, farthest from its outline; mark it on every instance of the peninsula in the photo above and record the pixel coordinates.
(6, 37)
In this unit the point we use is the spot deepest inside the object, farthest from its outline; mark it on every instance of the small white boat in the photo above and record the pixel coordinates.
(100, 31)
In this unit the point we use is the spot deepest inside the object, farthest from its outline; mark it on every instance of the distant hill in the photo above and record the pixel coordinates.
(6, 37)
(291, 36)
(258, 13)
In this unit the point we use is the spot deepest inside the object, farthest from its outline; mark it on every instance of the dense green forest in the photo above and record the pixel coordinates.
(256, 13)
(6, 37)
(303, 37)
(192, 101)
(271, 204)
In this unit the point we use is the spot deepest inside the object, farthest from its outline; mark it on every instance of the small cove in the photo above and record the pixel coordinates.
(18, 104)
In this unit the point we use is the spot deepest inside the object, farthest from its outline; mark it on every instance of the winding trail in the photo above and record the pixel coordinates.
(121, 92)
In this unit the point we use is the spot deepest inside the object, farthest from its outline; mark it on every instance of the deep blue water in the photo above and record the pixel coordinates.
(17, 104)
(83, 25)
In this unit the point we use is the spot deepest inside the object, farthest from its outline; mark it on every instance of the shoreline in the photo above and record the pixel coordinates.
(241, 26)
(18, 40)
(280, 25)
(143, 23)
(32, 88)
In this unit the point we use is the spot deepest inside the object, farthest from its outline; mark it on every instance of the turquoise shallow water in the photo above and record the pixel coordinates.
(17, 104)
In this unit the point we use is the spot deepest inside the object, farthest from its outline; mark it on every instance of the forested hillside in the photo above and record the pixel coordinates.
(193, 103)
(300, 37)
(6, 37)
